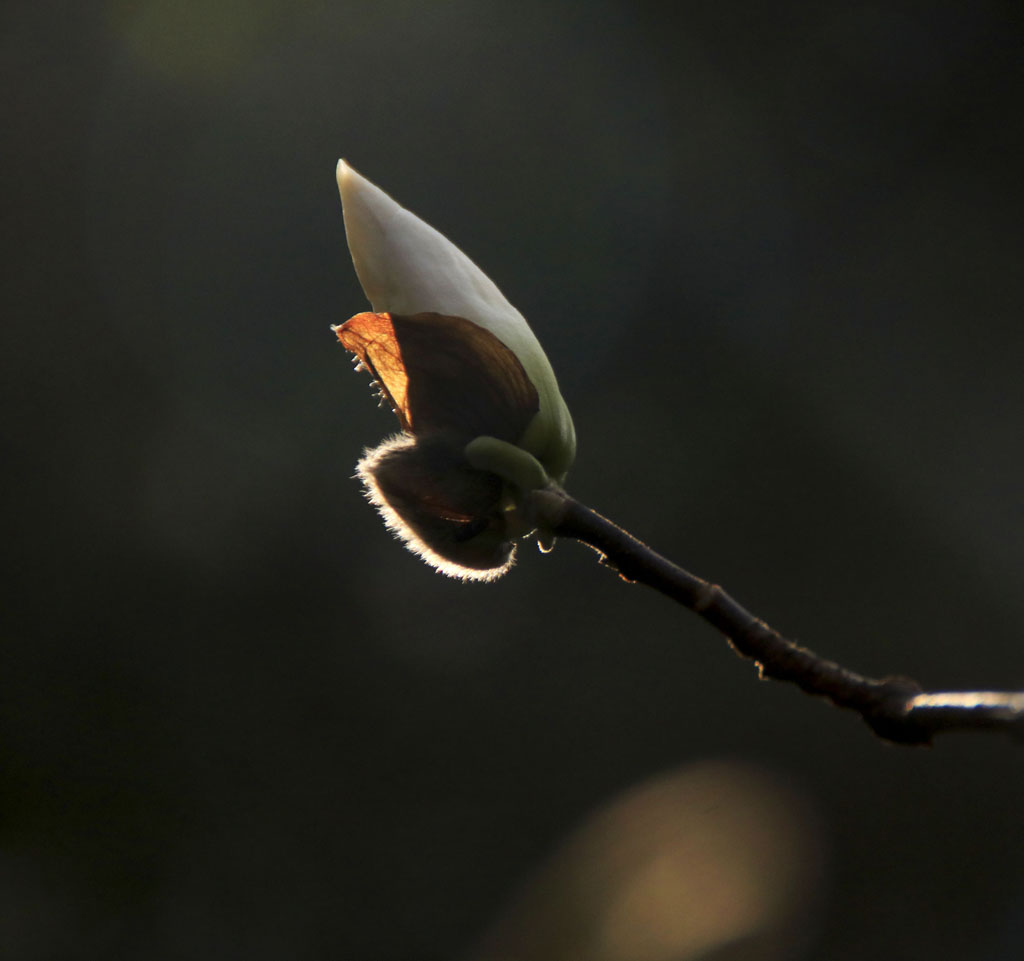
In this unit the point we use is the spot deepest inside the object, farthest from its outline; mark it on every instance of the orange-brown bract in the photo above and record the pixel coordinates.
(448, 381)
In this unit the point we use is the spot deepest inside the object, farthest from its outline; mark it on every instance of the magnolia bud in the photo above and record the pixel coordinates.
(482, 418)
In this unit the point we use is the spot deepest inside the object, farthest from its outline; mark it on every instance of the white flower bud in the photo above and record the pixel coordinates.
(407, 267)
(482, 418)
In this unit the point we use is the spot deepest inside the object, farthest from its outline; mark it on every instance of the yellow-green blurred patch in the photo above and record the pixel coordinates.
(202, 41)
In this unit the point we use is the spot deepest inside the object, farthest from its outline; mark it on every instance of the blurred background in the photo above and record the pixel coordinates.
(774, 253)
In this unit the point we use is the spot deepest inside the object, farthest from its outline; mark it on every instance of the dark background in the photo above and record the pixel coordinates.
(774, 252)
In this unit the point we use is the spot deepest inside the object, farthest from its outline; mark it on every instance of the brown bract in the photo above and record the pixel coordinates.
(443, 374)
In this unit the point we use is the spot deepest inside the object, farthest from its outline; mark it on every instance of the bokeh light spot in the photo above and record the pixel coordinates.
(712, 858)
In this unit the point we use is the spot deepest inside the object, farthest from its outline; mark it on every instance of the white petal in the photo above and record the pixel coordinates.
(405, 267)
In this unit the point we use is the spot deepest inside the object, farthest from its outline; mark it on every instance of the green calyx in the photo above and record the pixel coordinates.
(511, 463)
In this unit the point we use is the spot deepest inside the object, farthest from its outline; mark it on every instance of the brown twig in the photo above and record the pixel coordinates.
(896, 708)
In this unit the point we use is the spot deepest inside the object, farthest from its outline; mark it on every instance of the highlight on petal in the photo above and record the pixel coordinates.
(446, 512)
(406, 268)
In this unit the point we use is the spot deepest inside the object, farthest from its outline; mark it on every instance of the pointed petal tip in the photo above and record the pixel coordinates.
(355, 190)
(342, 172)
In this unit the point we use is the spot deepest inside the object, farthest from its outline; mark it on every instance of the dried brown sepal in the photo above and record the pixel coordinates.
(442, 373)
(444, 510)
